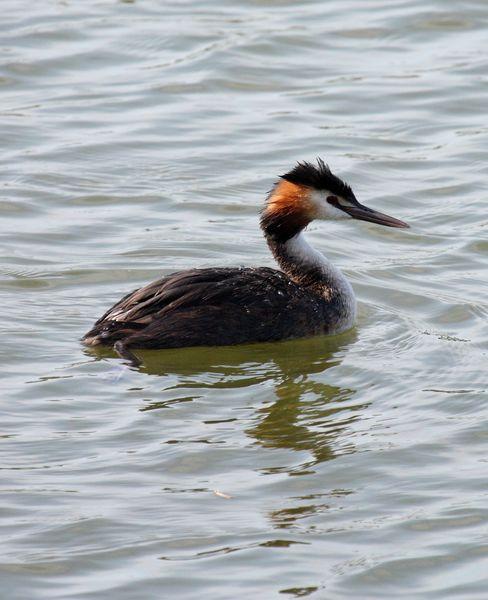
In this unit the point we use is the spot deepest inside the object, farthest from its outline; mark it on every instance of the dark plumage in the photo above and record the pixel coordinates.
(216, 306)
(318, 177)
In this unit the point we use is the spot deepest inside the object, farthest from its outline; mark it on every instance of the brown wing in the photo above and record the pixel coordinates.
(210, 306)
(171, 292)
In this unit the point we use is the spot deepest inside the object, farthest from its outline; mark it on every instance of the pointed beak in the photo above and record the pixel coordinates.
(363, 213)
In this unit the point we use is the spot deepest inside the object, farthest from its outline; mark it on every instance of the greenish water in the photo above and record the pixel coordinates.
(140, 138)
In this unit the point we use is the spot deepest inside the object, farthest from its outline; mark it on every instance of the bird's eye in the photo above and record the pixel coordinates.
(334, 200)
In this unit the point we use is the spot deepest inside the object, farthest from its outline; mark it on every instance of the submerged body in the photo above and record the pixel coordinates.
(227, 306)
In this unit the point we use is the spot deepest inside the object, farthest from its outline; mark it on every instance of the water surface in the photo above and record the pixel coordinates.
(140, 138)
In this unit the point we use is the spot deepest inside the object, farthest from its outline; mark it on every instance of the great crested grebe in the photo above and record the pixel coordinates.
(238, 305)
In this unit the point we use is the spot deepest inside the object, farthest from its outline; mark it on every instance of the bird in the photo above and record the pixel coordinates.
(220, 306)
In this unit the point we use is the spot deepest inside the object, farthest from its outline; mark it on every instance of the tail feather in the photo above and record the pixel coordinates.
(108, 333)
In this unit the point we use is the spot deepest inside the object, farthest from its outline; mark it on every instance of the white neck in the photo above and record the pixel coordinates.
(304, 254)
(298, 258)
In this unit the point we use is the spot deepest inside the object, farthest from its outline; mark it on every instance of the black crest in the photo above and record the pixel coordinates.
(319, 177)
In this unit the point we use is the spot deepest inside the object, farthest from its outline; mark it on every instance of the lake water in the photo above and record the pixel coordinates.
(140, 138)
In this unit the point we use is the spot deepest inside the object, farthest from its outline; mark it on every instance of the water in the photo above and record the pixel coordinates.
(140, 138)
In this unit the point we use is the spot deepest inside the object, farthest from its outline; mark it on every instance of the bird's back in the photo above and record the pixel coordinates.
(215, 306)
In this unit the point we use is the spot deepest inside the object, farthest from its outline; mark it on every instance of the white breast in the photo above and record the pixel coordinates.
(303, 254)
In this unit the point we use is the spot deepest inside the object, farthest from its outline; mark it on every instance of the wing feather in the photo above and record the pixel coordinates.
(210, 306)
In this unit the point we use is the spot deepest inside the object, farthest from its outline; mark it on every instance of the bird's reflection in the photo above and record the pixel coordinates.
(305, 413)
(308, 413)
